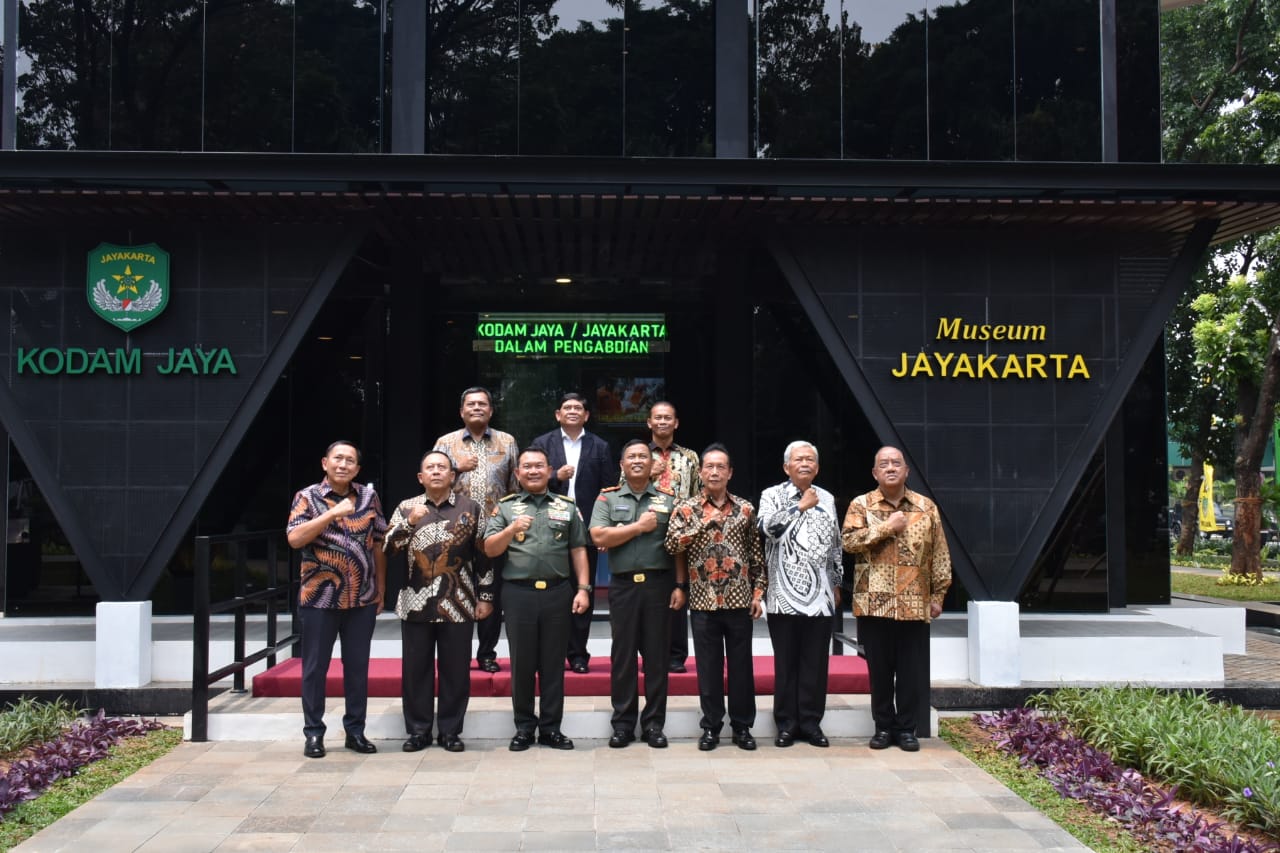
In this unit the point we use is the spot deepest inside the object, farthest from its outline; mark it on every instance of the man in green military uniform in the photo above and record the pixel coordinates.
(544, 540)
(631, 521)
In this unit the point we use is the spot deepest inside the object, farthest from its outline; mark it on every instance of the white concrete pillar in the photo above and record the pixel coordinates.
(995, 658)
(122, 653)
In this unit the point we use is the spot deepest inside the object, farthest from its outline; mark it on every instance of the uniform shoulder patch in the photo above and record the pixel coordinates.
(666, 490)
(610, 489)
(507, 497)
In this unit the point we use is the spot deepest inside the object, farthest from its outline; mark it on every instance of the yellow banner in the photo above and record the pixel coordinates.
(1208, 518)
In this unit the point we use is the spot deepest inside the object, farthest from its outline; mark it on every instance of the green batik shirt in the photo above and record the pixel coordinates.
(619, 505)
(543, 553)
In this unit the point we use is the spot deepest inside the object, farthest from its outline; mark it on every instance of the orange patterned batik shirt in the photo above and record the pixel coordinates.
(896, 576)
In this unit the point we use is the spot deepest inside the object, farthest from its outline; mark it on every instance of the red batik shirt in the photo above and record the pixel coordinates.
(722, 544)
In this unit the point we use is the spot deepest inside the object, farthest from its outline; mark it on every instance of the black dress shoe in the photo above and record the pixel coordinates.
(521, 742)
(880, 740)
(709, 740)
(451, 743)
(655, 738)
(314, 747)
(676, 666)
(555, 740)
(417, 743)
(620, 738)
(744, 740)
(360, 743)
(580, 667)
(487, 665)
(784, 739)
(817, 738)
(907, 742)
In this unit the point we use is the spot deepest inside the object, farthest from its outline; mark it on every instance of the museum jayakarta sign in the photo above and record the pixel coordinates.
(127, 286)
(576, 335)
(1011, 365)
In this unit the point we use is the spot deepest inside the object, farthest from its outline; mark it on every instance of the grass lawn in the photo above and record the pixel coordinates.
(126, 758)
(1193, 584)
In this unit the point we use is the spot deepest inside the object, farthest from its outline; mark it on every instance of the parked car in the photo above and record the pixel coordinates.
(1225, 523)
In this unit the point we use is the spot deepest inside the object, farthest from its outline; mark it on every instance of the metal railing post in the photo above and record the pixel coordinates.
(200, 644)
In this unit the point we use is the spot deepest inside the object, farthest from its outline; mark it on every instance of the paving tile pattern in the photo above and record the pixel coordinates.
(266, 797)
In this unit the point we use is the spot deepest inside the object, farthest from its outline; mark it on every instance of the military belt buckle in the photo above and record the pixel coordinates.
(638, 577)
(539, 584)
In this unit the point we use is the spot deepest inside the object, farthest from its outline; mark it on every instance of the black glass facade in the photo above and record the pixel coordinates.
(889, 79)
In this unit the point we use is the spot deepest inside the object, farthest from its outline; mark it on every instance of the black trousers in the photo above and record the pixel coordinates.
(320, 628)
(537, 631)
(488, 630)
(680, 635)
(640, 622)
(721, 636)
(580, 623)
(423, 644)
(800, 656)
(898, 666)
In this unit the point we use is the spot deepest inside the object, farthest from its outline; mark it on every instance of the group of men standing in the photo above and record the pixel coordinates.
(504, 534)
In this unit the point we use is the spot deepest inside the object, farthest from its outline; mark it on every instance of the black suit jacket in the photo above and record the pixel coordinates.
(597, 467)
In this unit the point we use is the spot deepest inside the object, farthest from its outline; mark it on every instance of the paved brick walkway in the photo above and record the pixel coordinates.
(267, 797)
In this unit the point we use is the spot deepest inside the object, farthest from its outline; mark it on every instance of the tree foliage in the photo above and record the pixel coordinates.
(1220, 65)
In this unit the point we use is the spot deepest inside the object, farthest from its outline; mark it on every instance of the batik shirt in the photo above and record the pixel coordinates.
(337, 566)
(680, 474)
(722, 544)
(802, 550)
(897, 576)
(443, 549)
(495, 472)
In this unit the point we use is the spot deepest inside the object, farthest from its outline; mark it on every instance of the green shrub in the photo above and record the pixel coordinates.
(30, 721)
(1217, 755)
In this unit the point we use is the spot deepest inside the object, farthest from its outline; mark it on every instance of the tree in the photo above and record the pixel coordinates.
(1220, 66)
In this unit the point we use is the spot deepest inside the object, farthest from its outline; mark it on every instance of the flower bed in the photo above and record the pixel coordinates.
(1081, 771)
(84, 741)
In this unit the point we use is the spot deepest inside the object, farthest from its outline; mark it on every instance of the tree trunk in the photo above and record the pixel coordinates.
(1255, 417)
(1190, 507)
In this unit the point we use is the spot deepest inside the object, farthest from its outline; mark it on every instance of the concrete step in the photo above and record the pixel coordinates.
(241, 717)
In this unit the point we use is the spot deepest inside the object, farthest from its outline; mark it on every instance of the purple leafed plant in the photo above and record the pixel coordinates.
(1079, 771)
(85, 741)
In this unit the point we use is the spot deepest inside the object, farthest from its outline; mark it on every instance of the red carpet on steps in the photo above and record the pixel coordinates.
(847, 674)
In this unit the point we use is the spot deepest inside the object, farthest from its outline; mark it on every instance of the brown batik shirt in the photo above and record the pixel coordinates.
(444, 547)
(495, 472)
(896, 576)
(722, 544)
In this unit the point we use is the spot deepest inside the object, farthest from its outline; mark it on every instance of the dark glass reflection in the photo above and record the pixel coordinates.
(670, 79)
(472, 67)
(1058, 102)
(101, 78)
(1071, 571)
(798, 78)
(1138, 80)
(886, 85)
(337, 76)
(971, 81)
(571, 78)
(248, 77)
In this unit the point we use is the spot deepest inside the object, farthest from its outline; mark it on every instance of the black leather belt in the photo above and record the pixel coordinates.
(642, 576)
(542, 583)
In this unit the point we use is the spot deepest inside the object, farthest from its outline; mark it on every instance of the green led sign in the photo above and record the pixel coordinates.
(572, 335)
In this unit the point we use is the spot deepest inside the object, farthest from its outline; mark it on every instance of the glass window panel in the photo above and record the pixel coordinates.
(1058, 89)
(472, 68)
(971, 81)
(338, 73)
(670, 78)
(571, 72)
(1138, 80)
(97, 78)
(886, 93)
(798, 78)
(248, 76)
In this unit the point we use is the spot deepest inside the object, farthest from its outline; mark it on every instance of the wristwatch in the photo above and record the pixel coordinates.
(584, 587)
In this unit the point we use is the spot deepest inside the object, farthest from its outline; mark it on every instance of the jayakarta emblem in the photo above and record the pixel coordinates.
(128, 285)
